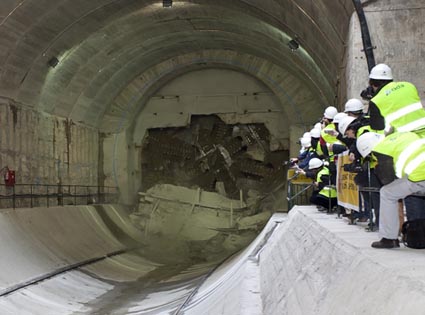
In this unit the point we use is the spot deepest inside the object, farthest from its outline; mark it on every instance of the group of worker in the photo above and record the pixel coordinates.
(386, 148)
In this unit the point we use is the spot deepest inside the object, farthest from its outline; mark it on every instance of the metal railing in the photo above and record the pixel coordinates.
(299, 189)
(45, 195)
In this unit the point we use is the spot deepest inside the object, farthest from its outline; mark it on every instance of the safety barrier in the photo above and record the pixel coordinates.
(299, 189)
(46, 195)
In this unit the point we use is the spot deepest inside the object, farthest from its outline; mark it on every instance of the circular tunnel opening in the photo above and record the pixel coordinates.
(211, 146)
(188, 110)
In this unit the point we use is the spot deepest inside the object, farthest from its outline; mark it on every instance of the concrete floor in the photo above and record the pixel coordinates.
(302, 263)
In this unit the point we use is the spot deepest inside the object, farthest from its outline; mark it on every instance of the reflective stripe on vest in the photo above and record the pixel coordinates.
(413, 164)
(400, 105)
(327, 137)
(415, 125)
(403, 112)
(405, 155)
(408, 152)
(326, 191)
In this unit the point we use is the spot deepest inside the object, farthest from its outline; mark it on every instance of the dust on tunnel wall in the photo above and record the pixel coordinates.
(44, 149)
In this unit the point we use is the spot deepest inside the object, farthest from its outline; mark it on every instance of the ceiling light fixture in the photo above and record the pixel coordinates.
(167, 3)
(293, 44)
(53, 62)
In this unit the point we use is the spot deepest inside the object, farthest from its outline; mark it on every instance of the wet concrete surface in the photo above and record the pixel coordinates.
(162, 290)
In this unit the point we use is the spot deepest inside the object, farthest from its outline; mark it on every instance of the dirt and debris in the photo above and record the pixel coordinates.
(205, 223)
(228, 159)
(209, 186)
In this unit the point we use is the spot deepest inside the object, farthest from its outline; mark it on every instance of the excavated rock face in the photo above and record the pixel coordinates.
(234, 160)
(208, 187)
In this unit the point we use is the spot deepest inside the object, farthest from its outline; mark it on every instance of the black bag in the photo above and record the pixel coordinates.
(414, 233)
(362, 179)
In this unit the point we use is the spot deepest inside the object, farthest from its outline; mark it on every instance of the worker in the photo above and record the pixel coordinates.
(324, 194)
(315, 142)
(306, 136)
(354, 107)
(327, 132)
(343, 142)
(395, 106)
(337, 119)
(401, 169)
(328, 137)
(305, 156)
(319, 125)
(353, 127)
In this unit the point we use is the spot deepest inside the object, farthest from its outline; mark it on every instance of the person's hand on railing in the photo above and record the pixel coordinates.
(293, 163)
(299, 171)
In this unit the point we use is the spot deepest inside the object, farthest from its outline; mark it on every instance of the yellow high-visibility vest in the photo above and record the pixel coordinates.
(408, 152)
(400, 105)
(326, 191)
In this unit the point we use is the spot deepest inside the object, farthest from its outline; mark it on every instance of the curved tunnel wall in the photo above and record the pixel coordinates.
(113, 56)
(109, 42)
(97, 63)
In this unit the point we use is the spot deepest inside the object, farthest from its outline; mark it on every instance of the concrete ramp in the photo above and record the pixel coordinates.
(314, 263)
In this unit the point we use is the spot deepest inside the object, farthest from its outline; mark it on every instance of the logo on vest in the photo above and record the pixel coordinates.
(398, 87)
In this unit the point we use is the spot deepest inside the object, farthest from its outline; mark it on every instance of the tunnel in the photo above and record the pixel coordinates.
(149, 142)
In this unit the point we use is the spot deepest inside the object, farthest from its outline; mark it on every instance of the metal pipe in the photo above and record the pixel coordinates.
(367, 43)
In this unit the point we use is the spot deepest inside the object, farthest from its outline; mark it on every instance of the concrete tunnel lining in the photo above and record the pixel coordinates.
(61, 123)
(70, 37)
(290, 91)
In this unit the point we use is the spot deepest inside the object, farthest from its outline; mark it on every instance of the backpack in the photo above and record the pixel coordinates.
(414, 233)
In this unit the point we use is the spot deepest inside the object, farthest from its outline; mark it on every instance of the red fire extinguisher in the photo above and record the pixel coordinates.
(9, 177)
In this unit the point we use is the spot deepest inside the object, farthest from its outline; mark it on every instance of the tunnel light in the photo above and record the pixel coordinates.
(53, 62)
(167, 3)
(293, 45)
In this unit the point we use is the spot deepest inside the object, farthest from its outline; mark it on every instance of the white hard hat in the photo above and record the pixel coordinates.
(338, 117)
(344, 123)
(314, 163)
(367, 141)
(306, 142)
(381, 72)
(330, 112)
(318, 126)
(353, 105)
(306, 135)
(315, 133)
